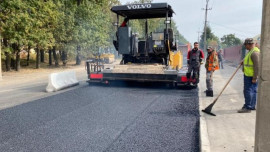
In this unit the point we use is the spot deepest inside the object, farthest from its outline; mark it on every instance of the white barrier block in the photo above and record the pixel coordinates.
(58, 81)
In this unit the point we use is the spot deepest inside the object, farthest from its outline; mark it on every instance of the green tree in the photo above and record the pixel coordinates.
(15, 25)
(27, 23)
(63, 31)
(70, 27)
(230, 40)
(44, 15)
(210, 37)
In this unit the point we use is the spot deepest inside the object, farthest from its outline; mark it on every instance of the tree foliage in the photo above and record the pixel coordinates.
(65, 25)
(68, 27)
(230, 40)
(25, 23)
(211, 39)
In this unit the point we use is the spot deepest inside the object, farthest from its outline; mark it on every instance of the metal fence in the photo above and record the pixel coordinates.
(234, 53)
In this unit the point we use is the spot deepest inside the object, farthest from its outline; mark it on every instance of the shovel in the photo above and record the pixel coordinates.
(209, 108)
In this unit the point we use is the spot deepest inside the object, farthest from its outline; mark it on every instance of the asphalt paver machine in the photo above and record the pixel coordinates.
(153, 58)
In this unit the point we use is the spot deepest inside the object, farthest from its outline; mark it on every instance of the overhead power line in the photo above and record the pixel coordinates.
(235, 29)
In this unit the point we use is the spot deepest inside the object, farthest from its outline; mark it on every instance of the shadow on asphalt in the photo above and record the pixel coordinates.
(145, 85)
(41, 88)
(225, 112)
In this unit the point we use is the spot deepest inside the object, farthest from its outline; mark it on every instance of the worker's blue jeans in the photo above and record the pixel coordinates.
(250, 93)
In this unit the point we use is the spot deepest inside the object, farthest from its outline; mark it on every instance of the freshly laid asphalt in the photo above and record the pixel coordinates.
(104, 118)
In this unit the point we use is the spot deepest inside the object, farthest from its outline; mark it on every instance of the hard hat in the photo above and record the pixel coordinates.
(209, 48)
(249, 41)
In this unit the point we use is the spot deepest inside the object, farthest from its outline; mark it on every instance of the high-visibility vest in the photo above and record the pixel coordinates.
(248, 63)
(211, 62)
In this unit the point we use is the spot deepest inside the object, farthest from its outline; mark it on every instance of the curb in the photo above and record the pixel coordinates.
(204, 138)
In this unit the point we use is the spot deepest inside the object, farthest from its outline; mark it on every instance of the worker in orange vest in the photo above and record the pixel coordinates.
(211, 65)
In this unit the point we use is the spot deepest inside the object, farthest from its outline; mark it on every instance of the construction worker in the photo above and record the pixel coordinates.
(194, 58)
(124, 23)
(211, 65)
(251, 71)
(220, 59)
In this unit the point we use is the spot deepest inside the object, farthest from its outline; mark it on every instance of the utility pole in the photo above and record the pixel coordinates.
(262, 133)
(199, 36)
(205, 22)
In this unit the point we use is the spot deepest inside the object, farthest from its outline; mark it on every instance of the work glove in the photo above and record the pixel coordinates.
(241, 62)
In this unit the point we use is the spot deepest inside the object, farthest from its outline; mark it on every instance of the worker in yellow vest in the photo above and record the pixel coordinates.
(251, 71)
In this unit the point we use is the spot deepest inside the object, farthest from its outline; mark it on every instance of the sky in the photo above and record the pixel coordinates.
(239, 17)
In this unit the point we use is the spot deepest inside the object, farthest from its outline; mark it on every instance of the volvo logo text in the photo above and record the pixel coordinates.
(139, 6)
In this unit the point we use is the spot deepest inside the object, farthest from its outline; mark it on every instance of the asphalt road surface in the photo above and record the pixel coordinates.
(104, 118)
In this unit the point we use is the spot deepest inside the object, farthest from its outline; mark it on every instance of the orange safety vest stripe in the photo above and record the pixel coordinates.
(211, 62)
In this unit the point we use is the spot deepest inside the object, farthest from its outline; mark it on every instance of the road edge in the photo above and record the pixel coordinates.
(204, 138)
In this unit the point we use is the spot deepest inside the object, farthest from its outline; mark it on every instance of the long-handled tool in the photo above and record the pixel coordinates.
(209, 108)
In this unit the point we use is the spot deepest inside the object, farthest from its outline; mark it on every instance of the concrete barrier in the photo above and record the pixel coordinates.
(62, 80)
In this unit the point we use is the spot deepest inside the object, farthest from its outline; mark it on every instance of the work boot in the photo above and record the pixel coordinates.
(244, 110)
(209, 93)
